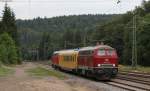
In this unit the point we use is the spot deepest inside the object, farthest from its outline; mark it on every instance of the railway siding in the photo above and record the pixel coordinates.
(132, 81)
(144, 75)
(125, 87)
(132, 84)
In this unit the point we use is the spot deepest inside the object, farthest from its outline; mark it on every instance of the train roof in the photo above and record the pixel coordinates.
(96, 47)
(68, 51)
(56, 52)
(82, 49)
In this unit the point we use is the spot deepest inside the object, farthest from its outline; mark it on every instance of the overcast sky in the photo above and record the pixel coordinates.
(28, 9)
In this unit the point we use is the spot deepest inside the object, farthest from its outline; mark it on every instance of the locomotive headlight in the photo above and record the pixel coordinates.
(114, 65)
(99, 65)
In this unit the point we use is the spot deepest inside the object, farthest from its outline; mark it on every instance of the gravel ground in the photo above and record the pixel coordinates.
(21, 81)
(93, 85)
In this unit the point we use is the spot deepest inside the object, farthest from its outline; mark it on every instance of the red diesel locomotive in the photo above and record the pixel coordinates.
(100, 61)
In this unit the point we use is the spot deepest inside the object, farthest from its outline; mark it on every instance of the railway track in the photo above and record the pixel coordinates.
(136, 74)
(144, 73)
(126, 81)
(135, 77)
(128, 85)
(132, 81)
(128, 88)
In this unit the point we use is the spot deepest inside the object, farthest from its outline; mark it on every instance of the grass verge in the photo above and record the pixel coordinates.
(4, 71)
(139, 69)
(43, 72)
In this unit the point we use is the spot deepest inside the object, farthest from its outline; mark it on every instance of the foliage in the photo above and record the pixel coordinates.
(144, 40)
(8, 50)
(112, 33)
(146, 6)
(8, 23)
(9, 45)
(4, 71)
(51, 34)
(67, 32)
(42, 72)
(118, 33)
(44, 46)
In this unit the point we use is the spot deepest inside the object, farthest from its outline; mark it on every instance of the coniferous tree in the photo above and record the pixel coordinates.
(44, 46)
(8, 50)
(9, 24)
(146, 6)
(0, 27)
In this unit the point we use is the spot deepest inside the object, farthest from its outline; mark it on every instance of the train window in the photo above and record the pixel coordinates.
(72, 58)
(101, 52)
(69, 58)
(66, 58)
(110, 52)
(63, 58)
(87, 52)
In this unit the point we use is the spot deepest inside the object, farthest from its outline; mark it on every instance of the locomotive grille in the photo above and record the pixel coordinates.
(107, 65)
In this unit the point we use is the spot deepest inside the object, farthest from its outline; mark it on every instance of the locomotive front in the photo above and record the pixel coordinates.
(105, 62)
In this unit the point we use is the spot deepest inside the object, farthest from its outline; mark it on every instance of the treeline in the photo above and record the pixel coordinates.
(9, 44)
(51, 34)
(119, 34)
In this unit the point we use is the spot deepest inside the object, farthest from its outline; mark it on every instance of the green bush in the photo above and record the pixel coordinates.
(8, 50)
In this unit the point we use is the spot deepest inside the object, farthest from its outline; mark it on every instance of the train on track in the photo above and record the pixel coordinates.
(100, 62)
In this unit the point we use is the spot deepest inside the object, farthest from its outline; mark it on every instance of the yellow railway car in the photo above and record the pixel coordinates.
(68, 59)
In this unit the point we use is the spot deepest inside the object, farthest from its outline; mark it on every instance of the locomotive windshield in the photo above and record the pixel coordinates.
(110, 52)
(101, 52)
(107, 52)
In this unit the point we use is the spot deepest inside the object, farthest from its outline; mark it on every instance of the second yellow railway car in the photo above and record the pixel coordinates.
(68, 59)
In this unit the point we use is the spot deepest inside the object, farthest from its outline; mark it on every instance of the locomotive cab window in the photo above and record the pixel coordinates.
(101, 52)
(110, 52)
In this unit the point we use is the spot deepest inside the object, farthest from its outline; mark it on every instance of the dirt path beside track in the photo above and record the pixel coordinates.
(21, 81)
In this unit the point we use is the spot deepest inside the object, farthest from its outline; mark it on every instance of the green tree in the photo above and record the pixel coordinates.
(146, 6)
(8, 50)
(9, 24)
(0, 26)
(44, 46)
(144, 41)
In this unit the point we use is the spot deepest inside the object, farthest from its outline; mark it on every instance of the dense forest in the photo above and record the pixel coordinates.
(40, 37)
(51, 34)
(119, 34)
